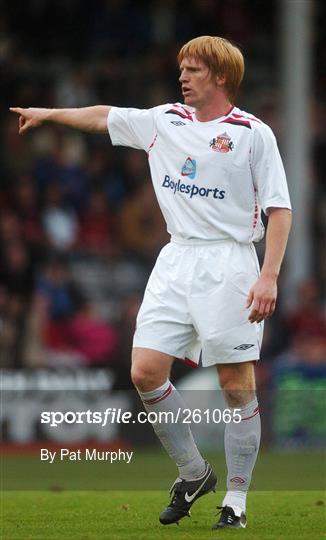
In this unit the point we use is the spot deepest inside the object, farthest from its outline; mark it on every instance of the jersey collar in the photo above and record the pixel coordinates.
(218, 119)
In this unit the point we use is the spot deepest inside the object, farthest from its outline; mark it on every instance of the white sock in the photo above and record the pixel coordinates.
(176, 438)
(241, 442)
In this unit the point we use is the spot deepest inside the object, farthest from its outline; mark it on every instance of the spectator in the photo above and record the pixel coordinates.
(141, 225)
(94, 339)
(96, 234)
(70, 330)
(308, 319)
(59, 222)
(16, 286)
(26, 205)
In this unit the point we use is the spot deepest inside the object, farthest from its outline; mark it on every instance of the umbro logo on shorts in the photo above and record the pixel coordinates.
(244, 347)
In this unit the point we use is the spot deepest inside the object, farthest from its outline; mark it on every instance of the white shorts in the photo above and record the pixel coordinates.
(194, 305)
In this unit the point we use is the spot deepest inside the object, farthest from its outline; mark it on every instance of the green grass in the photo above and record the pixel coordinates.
(96, 501)
(274, 471)
(128, 515)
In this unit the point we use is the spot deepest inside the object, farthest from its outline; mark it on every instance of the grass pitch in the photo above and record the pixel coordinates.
(98, 501)
(154, 471)
(115, 515)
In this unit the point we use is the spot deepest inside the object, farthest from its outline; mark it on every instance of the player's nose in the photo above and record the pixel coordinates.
(183, 77)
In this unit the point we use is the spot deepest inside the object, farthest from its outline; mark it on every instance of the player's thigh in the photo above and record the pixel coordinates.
(150, 368)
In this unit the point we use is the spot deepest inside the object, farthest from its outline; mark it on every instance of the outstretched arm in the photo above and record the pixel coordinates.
(262, 296)
(91, 119)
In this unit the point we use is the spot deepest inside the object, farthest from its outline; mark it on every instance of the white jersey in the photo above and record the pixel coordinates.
(211, 178)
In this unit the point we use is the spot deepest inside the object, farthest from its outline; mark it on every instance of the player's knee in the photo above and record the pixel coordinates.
(236, 394)
(137, 376)
(143, 379)
(238, 384)
(150, 369)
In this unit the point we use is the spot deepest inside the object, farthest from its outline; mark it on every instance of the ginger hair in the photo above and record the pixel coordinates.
(220, 56)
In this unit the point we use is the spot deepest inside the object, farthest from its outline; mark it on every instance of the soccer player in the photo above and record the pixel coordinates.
(214, 167)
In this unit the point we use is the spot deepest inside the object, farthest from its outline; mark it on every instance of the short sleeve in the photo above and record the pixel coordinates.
(268, 171)
(132, 127)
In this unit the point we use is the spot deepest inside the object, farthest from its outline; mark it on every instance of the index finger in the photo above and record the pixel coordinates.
(254, 312)
(17, 110)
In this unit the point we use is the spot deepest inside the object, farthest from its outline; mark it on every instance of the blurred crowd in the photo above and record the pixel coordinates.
(79, 224)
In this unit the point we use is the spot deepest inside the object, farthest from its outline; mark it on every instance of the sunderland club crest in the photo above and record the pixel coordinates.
(222, 143)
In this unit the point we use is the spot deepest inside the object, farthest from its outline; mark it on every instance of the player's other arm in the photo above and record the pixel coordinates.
(278, 228)
(262, 296)
(90, 119)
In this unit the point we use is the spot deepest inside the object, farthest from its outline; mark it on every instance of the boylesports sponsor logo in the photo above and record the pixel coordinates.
(192, 190)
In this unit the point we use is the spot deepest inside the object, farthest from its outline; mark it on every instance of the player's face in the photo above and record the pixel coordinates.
(197, 84)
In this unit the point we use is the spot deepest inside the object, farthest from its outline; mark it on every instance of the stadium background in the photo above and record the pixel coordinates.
(80, 228)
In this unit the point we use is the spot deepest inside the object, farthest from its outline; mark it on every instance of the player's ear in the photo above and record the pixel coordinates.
(220, 80)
